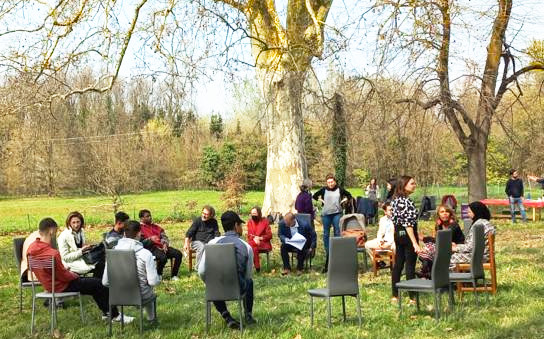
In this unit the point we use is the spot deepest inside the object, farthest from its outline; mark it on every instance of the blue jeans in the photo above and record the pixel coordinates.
(328, 220)
(519, 202)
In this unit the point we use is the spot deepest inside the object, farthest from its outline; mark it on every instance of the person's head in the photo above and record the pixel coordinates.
(405, 186)
(256, 214)
(121, 219)
(289, 219)
(387, 210)
(47, 229)
(477, 210)
(373, 182)
(390, 185)
(514, 173)
(207, 213)
(306, 185)
(331, 181)
(444, 213)
(132, 229)
(231, 222)
(145, 217)
(75, 221)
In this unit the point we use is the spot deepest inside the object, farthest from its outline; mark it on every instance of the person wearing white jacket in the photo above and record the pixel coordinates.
(72, 246)
(145, 263)
(386, 232)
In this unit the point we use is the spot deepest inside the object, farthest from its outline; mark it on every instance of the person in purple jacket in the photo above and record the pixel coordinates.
(303, 203)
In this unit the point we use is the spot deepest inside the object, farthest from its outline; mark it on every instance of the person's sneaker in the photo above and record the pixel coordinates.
(284, 271)
(174, 278)
(127, 319)
(257, 269)
(232, 323)
(250, 320)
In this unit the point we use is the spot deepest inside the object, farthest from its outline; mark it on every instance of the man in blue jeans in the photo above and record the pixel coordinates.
(514, 191)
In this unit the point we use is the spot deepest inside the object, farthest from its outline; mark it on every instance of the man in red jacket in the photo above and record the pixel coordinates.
(66, 281)
(154, 239)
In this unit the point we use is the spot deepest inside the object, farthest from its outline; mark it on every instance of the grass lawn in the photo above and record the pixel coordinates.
(282, 304)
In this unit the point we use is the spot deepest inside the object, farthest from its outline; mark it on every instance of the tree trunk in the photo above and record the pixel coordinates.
(476, 153)
(286, 163)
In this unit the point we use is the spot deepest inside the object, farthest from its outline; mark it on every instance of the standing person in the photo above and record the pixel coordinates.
(406, 237)
(72, 246)
(303, 202)
(159, 244)
(259, 235)
(372, 190)
(145, 264)
(65, 280)
(202, 230)
(287, 228)
(331, 197)
(390, 189)
(514, 191)
(232, 225)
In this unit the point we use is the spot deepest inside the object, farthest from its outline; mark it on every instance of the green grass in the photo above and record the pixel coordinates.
(282, 305)
(23, 214)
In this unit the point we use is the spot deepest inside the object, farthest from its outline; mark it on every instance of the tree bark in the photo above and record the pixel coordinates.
(286, 163)
(476, 152)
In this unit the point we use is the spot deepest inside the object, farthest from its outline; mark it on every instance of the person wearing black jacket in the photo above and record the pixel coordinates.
(201, 232)
(514, 191)
(331, 197)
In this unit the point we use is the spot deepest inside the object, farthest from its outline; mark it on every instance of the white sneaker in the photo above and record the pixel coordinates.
(174, 278)
(126, 319)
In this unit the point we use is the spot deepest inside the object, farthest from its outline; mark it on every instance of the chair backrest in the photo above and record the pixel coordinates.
(477, 260)
(440, 273)
(42, 264)
(18, 251)
(221, 277)
(305, 217)
(343, 266)
(123, 278)
(353, 221)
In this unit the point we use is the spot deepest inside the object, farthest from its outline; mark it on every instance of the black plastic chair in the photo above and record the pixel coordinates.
(48, 264)
(341, 277)
(18, 254)
(221, 278)
(124, 285)
(440, 280)
(476, 262)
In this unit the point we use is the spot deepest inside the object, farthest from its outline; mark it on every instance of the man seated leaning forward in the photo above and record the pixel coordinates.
(287, 228)
(145, 263)
(232, 225)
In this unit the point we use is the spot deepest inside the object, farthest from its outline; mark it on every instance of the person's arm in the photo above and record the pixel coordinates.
(105, 280)
(345, 194)
(507, 188)
(319, 194)
(314, 237)
(282, 237)
(151, 270)
(411, 235)
(61, 273)
(460, 234)
(67, 253)
(187, 244)
(522, 188)
(267, 235)
(381, 228)
(249, 262)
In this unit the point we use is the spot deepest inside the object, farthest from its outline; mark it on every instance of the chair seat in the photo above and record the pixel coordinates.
(416, 285)
(456, 276)
(324, 293)
(57, 295)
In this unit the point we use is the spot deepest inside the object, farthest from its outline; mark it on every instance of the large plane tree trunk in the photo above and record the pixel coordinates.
(476, 152)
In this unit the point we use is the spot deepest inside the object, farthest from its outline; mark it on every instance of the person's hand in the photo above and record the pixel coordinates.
(321, 200)
(86, 248)
(154, 238)
(164, 247)
(186, 247)
(417, 249)
(453, 247)
(257, 240)
(312, 252)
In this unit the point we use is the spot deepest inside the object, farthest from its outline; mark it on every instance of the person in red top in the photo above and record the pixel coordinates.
(66, 281)
(154, 239)
(259, 235)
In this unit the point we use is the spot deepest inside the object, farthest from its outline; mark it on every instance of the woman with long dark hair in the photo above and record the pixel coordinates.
(406, 237)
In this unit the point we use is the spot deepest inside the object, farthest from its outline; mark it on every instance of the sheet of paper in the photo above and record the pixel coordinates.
(297, 241)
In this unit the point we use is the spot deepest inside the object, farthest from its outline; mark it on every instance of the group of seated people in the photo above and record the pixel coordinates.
(152, 249)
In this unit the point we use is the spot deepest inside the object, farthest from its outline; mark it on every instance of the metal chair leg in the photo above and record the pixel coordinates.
(20, 296)
(344, 307)
(436, 305)
(451, 298)
(207, 316)
(475, 292)
(241, 315)
(359, 309)
(109, 321)
(141, 319)
(487, 294)
(417, 301)
(53, 309)
(329, 311)
(122, 319)
(33, 310)
(81, 309)
(400, 302)
(311, 310)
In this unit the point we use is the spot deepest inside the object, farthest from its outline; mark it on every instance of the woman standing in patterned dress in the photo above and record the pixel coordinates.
(406, 237)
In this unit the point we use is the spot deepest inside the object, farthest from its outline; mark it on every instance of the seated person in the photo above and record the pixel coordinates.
(118, 230)
(72, 246)
(158, 244)
(145, 262)
(386, 231)
(24, 263)
(65, 280)
(445, 219)
(259, 235)
(287, 228)
(461, 253)
(232, 225)
(202, 230)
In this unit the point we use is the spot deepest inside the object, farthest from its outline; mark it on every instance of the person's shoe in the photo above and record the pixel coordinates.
(126, 319)
(257, 269)
(174, 278)
(232, 323)
(300, 272)
(325, 269)
(394, 300)
(285, 271)
(250, 320)
(412, 302)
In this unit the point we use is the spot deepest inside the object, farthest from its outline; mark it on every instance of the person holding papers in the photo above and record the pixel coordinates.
(295, 236)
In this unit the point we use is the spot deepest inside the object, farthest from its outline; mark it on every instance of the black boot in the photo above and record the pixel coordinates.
(326, 268)
(231, 322)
